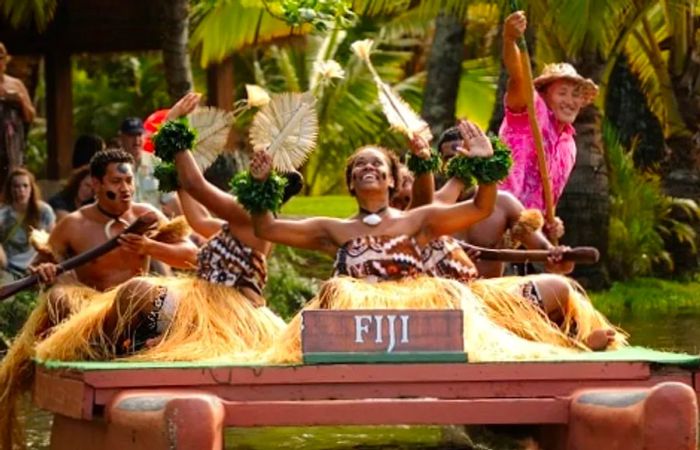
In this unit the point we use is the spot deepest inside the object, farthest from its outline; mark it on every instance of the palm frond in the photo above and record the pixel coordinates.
(650, 64)
(23, 12)
(287, 128)
(229, 25)
(477, 90)
(213, 126)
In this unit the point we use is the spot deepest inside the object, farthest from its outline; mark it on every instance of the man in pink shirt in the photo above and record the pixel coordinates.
(560, 93)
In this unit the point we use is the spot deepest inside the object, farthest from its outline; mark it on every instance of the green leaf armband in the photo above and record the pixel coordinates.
(173, 137)
(259, 196)
(420, 166)
(483, 170)
(166, 174)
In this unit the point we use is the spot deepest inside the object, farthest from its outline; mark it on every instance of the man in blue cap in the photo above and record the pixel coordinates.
(131, 140)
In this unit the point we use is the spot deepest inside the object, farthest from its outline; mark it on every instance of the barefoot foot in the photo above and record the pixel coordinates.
(600, 339)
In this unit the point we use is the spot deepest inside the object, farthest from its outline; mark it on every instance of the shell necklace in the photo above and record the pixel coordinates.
(372, 218)
(115, 219)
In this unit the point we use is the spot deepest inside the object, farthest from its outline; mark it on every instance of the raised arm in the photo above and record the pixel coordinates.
(198, 217)
(438, 220)
(192, 180)
(513, 29)
(312, 234)
(442, 219)
(423, 183)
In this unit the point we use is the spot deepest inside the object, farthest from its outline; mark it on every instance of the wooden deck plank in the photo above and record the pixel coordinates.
(362, 373)
(458, 390)
(397, 412)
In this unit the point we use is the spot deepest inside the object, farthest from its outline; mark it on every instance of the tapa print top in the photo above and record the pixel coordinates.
(379, 258)
(560, 153)
(445, 257)
(226, 260)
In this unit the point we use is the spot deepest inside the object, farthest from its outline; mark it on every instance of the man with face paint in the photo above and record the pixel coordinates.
(112, 173)
(560, 93)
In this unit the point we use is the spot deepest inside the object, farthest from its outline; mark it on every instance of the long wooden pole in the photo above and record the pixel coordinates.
(526, 68)
(140, 226)
(578, 255)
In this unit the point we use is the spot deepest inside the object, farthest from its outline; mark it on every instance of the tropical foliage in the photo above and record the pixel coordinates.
(642, 217)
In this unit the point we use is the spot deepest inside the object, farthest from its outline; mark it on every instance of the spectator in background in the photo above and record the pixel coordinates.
(16, 113)
(22, 212)
(76, 193)
(85, 146)
(131, 140)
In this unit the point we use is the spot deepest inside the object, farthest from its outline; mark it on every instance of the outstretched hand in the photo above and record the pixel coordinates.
(475, 142)
(184, 106)
(260, 165)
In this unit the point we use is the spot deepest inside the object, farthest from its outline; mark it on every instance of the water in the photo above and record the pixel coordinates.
(676, 330)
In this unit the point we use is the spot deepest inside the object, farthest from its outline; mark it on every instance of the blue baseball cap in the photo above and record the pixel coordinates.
(132, 125)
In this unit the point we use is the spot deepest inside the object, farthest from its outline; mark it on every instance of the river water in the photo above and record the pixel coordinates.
(677, 330)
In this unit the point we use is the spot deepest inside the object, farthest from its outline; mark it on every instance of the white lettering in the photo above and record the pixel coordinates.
(392, 333)
(361, 328)
(378, 323)
(404, 328)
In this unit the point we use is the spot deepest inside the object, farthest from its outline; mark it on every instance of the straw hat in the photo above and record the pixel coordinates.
(556, 71)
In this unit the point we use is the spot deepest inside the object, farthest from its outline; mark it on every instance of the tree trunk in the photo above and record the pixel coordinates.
(585, 205)
(626, 109)
(444, 72)
(176, 57)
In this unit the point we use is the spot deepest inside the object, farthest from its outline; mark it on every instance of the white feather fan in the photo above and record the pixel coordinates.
(213, 126)
(399, 114)
(287, 128)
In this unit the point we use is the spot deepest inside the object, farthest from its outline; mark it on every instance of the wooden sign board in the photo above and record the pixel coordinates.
(382, 335)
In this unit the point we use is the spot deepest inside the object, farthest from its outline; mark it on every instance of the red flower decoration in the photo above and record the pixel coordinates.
(151, 125)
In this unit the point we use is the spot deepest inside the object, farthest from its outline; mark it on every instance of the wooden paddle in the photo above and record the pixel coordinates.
(140, 226)
(578, 255)
(526, 67)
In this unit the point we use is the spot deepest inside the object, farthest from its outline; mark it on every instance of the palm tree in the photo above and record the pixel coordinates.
(444, 72)
(174, 42)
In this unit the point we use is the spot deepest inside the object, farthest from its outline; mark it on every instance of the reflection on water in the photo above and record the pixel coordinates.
(678, 330)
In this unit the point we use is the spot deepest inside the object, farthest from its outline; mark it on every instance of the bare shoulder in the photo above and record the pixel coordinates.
(143, 208)
(509, 202)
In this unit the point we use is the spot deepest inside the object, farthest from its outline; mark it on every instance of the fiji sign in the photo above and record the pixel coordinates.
(382, 335)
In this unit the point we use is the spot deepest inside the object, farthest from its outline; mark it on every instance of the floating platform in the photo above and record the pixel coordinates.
(631, 399)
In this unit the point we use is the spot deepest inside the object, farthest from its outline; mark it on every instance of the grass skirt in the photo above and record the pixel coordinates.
(211, 323)
(17, 369)
(484, 339)
(507, 307)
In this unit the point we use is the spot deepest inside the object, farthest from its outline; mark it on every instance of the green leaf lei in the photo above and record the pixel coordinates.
(420, 166)
(259, 196)
(484, 170)
(166, 174)
(173, 137)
